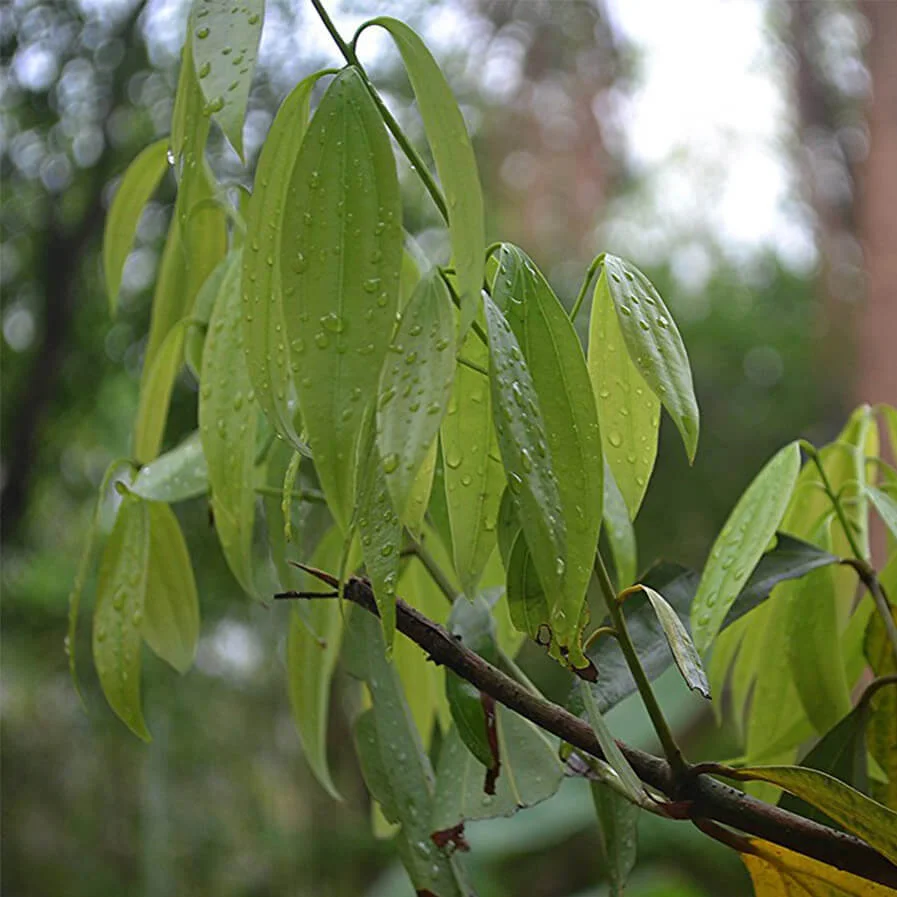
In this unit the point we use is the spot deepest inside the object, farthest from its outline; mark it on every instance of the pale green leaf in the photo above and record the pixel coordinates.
(175, 476)
(228, 418)
(527, 603)
(421, 490)
(415, 385)
(654, 345)
(341, 253)
(198, 321)
(118, 615)
(886, 507)
(628, 411)
(741, 543)
(555, 361)
(225, 44)
(171, 607)
(619, 531)
(618, 834)
(455, 163)
(137, 185)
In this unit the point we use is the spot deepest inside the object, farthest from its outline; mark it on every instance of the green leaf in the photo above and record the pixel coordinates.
(888, 415)
(118, 615)
(455, 163)
(618, 834)
(527, 603)
(654, 344)
(138, 184)
(341, 254)
(739, 546)
(155, 395)
(523, 443)
(864, 817)
(628, 411)
(554, 357)
(175, 476)
(228, 418)
(415, 385)
(225, 44)
(198, 323)
(507, 527)
(619, 531)
(886, 507)
(473, 477)
(268, 356)
(687, 659)
(387, 733)
(421, 490)
(171, 606)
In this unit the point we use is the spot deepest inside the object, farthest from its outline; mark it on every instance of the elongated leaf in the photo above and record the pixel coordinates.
(138, 184)
(384, 735)
(886, 507)
(267, 354)
(421, 490)
(524, 449)
(225, 44)
(198, 323)
(628, 410)
(620, 534)
(473, 478)
(618, 834)
(527, 603)
(739, 546)
(866, 818)
(415, 385)
(175, 476)
(654, 345)
(155, 395)
(687, 659)
(455, 163)
(228, 418)
(778, 872)
(554, 357)
(341, 254)
(171, 607)
(118, 615)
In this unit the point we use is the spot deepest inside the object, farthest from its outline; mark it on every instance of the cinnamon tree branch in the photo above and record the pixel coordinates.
(709, 799)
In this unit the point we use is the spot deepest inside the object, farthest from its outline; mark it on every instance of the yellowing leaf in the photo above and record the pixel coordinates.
(778, 872)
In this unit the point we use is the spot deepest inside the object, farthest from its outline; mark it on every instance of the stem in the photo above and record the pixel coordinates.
(395, 129)
(597, 262)
(618, 621)
(456, 299)
(836, 504)
(511, 665)
(309, 495)
(435, 571)
(473, 366)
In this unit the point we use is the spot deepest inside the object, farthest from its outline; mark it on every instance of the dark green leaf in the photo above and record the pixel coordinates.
(619, 531)
(175, 476)
(618, 834)
(527, 603)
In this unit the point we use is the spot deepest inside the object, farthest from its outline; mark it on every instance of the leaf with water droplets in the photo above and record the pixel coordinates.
(421, 490)
(175, 476)
(619, 531)
(617, 834)
(523, 442)
(171, 607)
(137, 185)
(228, 418)
(527, 603)
(473, 478)
(225, 43)
(118, 615)
(395, 766)
(741, 543)
(268, 355)
(341, 252)
(628, 410)
(415, 385)
(198, 323)
(455, 163)
(155, 395)
(654, 344)
(554, 358)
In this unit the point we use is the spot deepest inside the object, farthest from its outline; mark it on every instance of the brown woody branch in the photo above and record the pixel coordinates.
(705, 798)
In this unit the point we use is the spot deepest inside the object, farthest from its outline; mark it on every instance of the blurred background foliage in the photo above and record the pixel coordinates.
(762, 206)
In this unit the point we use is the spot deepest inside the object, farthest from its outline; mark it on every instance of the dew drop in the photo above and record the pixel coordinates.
(390, 462)
(615, 439)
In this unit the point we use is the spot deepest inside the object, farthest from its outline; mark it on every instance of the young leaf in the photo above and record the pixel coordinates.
(415, 385)
(618, 834)
(628, 410)
(455, 163)
(225, 44)
(473, 478)
(118, 615)
(619, 531)
(136, 187)
(864, 817)
(684, 653)
(553, 355)
(228, 417)
(341, 253)
(171, 607)
(739, 546)
(886, 507)
(175, 476)
(198, 323)
(155, 395)
(778, 872)
(654, 344)
(267, 354)
(421, 490)
(524, 449)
